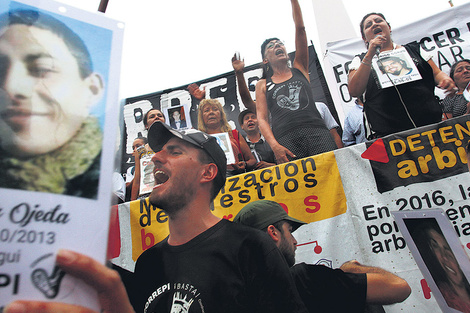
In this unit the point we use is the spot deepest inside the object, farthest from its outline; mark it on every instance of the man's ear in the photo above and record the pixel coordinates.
(274, 233)
(210, 172)
(95, 85)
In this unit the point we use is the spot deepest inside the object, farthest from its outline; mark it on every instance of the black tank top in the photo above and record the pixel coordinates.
(291, 104)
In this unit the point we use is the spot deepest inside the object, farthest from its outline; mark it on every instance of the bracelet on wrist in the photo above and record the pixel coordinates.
(365, 63)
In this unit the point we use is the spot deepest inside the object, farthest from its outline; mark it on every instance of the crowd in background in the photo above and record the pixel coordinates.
(251, 149)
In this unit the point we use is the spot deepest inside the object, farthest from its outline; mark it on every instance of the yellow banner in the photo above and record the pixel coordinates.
(149, 225)
(309, 189)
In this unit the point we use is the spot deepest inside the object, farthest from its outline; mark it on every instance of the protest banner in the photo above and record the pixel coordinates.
(347, 197)
(58, 124)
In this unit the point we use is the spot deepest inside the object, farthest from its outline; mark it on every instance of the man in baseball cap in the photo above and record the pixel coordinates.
(189, 171)
(160, 133)
(322, 289)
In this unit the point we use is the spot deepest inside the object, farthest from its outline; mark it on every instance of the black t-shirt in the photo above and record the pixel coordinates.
(383, 107)
(228, 268)
(323, 289)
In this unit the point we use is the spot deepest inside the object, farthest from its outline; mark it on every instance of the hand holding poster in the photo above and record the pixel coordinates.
(57, 127)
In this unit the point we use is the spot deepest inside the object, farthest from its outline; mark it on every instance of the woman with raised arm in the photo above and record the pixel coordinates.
(298, 130)
(405, 103)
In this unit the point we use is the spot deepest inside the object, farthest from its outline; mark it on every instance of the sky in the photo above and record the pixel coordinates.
(173, 43)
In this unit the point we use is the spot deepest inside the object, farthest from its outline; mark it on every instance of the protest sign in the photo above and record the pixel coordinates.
(58, 127)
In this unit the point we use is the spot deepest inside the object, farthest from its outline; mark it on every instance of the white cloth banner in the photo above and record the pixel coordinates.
(418, 169)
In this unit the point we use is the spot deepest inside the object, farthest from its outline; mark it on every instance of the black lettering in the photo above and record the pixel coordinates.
(423, 41)
(440, 58)
(338, 72)
(383, 209)
(386, 228)
(368, 213)
(346, 66)
(310, 180)
(306, 161)
(457, 54)
(399, 242)
(226, 201)
(387, 244)
(23, 215)
(162, 217)
(438, 41)
(462, 210)
(19, 212)
(244, 196)
(456, 228)
(271, 188)
(4, 280)
(259, 191)
(146, 213)
(452, 214)
(454, 35)
(278, 173)
(295, 185)
(344, 92)
(294, 171)
(250, 180)
(377, 247)
(234, 180)
(263, 178)
(466, 229)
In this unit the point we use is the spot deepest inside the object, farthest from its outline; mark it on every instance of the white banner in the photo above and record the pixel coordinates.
(347, 197)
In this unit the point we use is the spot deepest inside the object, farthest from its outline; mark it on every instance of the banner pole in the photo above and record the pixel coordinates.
(103, 5)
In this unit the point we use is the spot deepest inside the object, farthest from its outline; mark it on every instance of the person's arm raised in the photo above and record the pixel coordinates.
(301, 43)
(357, 79)
(238, 66)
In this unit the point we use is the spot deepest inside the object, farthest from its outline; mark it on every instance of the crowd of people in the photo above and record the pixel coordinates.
(285, 123)
(209, 264)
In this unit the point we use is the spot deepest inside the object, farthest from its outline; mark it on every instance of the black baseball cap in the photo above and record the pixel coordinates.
(241, 116)
(262, 213)
(160, 133)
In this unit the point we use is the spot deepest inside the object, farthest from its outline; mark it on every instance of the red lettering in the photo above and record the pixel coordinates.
(309, 202)
(426, 289)
(144, 237)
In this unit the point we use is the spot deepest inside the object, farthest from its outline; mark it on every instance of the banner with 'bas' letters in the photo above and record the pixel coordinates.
(347, 197)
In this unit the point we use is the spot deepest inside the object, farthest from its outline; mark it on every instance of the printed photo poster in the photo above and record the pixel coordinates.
(223, 139)
(147, 180)
(395, 67)
(178, 117)
(440, 256)
(58, 128)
